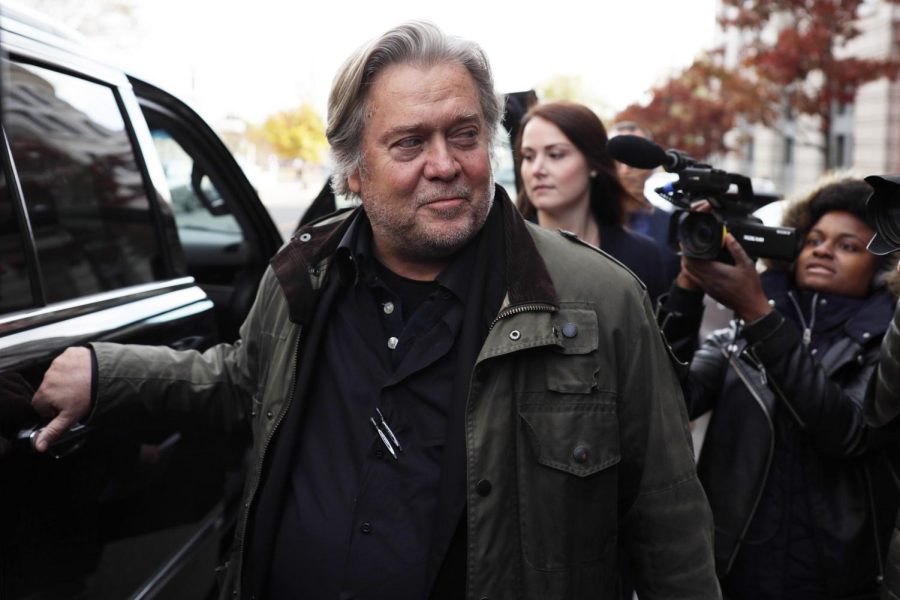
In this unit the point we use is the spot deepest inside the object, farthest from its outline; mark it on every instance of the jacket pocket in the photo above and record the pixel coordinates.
(568, 495)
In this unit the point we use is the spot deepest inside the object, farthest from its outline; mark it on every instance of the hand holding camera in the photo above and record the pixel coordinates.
(736, 286)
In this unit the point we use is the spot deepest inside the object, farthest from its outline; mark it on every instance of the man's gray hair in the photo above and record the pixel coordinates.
(418, 43)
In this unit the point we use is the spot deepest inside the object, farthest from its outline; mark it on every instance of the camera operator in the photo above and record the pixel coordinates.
(791, 468)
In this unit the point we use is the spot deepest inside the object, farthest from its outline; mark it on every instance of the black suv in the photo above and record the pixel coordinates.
(123, 218)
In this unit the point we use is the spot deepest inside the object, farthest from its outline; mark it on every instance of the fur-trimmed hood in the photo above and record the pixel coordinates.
(839, 191)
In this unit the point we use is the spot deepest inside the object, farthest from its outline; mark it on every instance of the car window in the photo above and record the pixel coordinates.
(200, 210)
(15, 286)
(83, 190)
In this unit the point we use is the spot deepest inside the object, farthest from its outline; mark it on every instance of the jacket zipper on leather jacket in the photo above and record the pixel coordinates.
(807, 329)
(737, 368)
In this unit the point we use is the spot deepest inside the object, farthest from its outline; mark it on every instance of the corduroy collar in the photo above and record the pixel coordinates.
(302, 264)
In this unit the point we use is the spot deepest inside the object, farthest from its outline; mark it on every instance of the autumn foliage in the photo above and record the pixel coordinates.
(794, 61)
(693, 110)
(806, 66)
(295, 134)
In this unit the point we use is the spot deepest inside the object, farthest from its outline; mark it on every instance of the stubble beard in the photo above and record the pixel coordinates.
(419, 242)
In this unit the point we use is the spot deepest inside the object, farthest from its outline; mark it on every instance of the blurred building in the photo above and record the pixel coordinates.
(865, 135)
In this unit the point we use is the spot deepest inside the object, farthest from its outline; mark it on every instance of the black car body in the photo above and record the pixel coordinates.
(122, 218)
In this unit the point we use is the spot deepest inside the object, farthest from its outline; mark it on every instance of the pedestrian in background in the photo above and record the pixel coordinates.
(570, 183)
(641, 216)
(801, 486)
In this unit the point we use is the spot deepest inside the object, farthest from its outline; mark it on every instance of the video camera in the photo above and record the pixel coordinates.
(883, 210)
(700, 234)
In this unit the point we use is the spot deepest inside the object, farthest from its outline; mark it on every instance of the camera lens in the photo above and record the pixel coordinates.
(700, 235)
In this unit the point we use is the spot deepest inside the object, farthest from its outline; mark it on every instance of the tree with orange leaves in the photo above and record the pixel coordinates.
(694, 109)
(798, 54)
(795, 63)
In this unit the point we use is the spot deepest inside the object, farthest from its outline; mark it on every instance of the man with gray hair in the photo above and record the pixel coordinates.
(445, 401)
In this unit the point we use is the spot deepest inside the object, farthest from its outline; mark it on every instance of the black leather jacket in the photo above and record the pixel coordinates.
(744, 378)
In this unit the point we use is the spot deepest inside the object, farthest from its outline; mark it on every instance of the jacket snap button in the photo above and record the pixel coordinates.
(483, 488)
(270, 414)
(866, 335)
(580, 454)
(305, 237)
(514, 335)
(570, 330)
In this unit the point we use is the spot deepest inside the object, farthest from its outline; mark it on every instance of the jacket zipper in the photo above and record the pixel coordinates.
(521, 308)
(807, 329)
(317, 272)
(749, 353)
(259, 463)
(875, 528)
(731, 359)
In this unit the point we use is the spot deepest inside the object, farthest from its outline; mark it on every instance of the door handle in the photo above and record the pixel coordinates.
(71, 440)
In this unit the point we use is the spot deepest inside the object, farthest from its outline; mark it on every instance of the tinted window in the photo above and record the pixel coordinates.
(15, 287)
(196, 201)
(82, 187)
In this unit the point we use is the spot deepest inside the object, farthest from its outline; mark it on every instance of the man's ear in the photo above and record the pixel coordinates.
(353, 182)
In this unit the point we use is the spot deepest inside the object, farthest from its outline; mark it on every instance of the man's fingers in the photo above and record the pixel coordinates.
(64, 394)
(52, 431)
(40, 403)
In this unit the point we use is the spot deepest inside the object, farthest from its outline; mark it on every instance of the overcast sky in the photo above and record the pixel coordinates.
(254, 58)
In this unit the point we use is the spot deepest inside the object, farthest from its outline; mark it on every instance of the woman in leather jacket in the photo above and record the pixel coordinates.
(801, 488)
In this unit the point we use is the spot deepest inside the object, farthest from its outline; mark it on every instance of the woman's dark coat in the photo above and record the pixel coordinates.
(767, 366)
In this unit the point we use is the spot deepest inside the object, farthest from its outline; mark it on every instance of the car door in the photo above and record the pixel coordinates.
(226, 233)
(90, 250)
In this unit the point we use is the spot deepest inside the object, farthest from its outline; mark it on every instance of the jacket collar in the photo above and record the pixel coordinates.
(302, 264)
(867, 319)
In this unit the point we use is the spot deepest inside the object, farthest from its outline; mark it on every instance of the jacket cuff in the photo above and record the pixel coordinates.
(771, 335)
(684, 303)
(94, 376)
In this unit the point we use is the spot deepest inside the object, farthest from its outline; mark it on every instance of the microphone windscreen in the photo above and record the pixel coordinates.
(636, 151)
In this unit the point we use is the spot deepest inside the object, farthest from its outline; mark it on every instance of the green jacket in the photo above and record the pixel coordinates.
(583, 437)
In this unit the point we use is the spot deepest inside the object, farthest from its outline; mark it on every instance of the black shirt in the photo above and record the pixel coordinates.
(358, 522)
